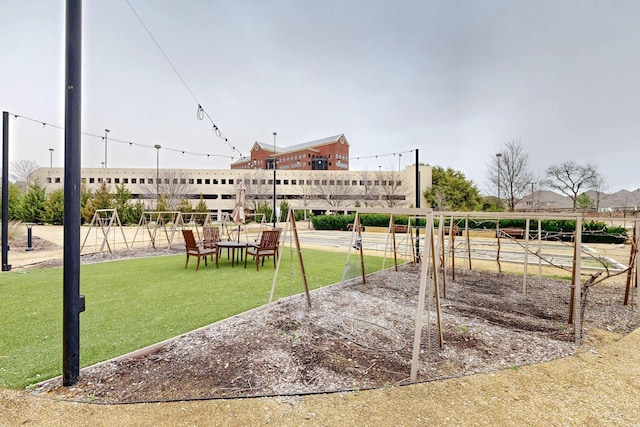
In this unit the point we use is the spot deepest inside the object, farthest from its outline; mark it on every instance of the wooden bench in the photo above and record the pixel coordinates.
(399, 228)
(350, 227)
(516, 233)
(456, 230)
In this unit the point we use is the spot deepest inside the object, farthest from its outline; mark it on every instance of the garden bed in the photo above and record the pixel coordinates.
(354, 337)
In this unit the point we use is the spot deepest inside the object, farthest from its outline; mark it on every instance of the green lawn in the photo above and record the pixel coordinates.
(133, 303)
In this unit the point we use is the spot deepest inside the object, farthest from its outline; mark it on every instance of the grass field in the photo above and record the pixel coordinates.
(133, 303)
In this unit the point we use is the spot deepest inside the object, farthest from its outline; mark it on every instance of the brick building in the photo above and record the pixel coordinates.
(330, 153)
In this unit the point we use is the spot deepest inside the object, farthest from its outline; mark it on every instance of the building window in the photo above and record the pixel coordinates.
(376, 182)
(141, 180)
(49, 180)
(199, 181)
(125, 180)
(207, 181)
(354, 182)
(92, 180)
(108, 180)
(286, 182)
(166, 181)
(262, 182)
(254, 182)
(215, 182)
(58, 180)
(191, 181)
(293, 182)
(230, 182)
(223, 181)
(150, 180)
(133, 180)
(316, 182)
(116, 180)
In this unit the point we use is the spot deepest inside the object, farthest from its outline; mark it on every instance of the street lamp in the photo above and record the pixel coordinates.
(532, 203)
(106, 131)
(498, 156)
(51, 157)
(273, 165)
(157, 147)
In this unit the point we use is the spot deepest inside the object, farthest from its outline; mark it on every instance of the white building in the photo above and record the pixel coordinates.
(317, 190)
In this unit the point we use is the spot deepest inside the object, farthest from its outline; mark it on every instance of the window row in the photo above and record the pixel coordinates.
(209, 181)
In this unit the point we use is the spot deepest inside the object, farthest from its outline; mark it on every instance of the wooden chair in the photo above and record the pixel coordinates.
(210, 236)
(268, 246)
(193, 249)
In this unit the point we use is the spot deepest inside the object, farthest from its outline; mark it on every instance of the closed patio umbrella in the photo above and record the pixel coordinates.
(238, 212)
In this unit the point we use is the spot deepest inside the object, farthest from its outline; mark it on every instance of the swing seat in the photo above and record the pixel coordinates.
(268, 246)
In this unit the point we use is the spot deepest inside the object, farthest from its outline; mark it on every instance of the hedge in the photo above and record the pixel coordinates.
(593, 232)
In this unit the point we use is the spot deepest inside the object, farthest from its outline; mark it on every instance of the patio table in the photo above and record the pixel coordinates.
(230, 244)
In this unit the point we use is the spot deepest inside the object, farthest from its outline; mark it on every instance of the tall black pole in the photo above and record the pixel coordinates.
(5, 191)
(273, 164)
(157, 147)
(73, 302)
(417, 203)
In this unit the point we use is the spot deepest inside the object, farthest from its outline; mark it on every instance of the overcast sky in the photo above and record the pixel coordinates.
(455, 79)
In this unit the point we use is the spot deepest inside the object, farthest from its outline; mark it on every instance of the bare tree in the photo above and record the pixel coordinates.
(391, 187)
(509, 171)
(439, 200)
(172, 186)
(332, 189)
(369, 194)
(21, 172)
(258, 190)
(599, 186)
(572, 179)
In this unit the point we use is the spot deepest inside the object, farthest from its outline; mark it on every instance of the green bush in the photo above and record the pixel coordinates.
(593, 232)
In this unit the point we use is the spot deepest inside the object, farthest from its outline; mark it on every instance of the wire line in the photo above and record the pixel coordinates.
(201, 112)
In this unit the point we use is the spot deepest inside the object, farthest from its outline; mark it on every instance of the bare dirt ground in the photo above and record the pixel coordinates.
(356, 336)
(359, 336)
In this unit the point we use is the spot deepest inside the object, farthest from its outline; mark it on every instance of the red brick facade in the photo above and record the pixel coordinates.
(324, 154)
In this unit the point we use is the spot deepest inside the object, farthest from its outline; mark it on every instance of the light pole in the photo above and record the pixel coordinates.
(498, 156)
(51, 157)
(532, 203)
(106, 131)
(157, 147)
(273, 165)
(399, 158)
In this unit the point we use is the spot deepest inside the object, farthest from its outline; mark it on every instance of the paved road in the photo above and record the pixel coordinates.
(482, 248)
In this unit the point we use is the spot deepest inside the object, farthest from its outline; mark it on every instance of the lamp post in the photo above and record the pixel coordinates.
(498, 156)
(51, 157)
(106, 131)
(157, 147)
(273, 165)
(532, 203)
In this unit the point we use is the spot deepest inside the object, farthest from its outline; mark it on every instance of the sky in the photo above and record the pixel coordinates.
(456, 79)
